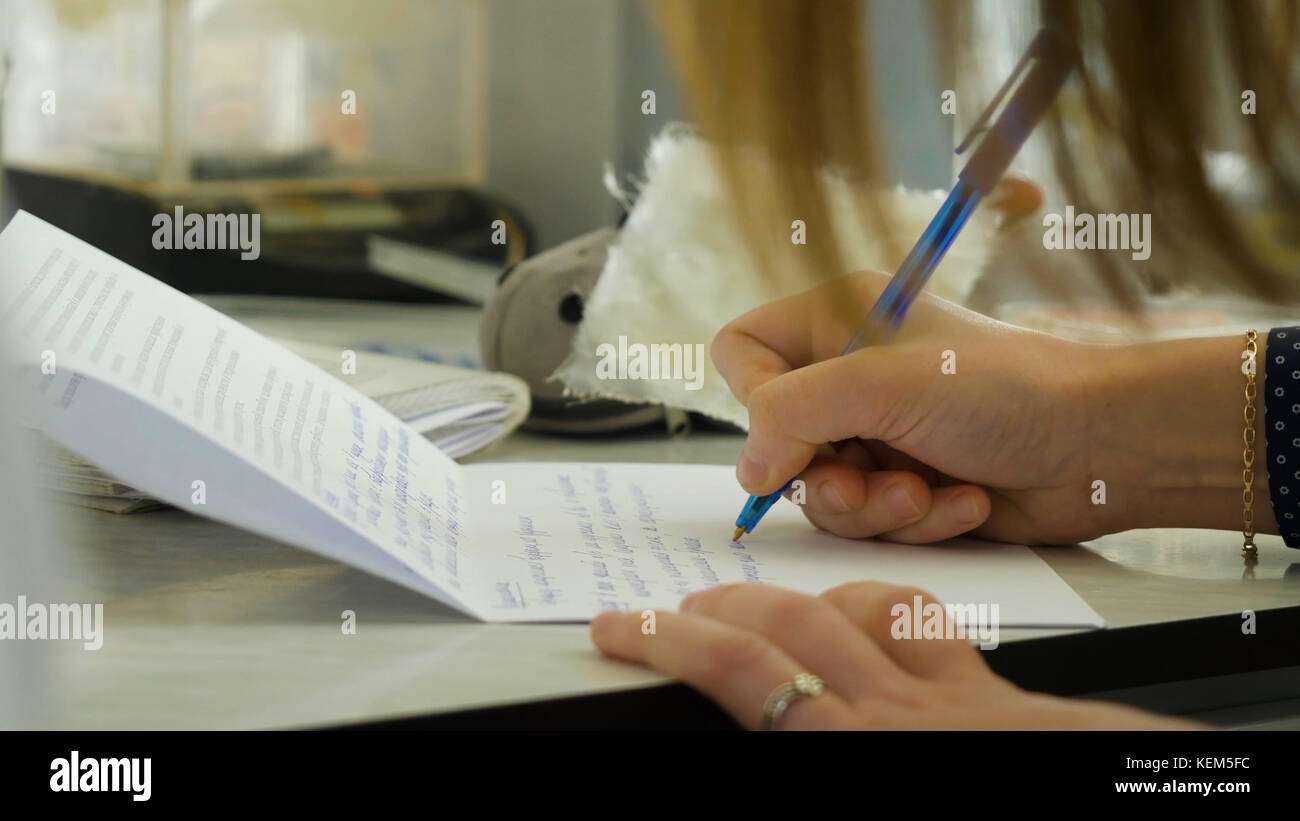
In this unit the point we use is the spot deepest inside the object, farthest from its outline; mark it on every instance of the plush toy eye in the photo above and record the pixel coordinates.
(571, 309)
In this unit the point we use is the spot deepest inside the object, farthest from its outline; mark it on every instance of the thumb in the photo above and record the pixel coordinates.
(860, 395)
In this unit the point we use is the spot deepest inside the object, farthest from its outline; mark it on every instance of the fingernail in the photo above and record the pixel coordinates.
(752, 472)
(688, 603)
(831, 499)
(601, 621)
(900, 503)
(970, 509)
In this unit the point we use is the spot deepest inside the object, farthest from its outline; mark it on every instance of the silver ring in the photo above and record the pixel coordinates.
(805, 685)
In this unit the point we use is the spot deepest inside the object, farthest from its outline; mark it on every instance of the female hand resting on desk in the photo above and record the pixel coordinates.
(737, 643)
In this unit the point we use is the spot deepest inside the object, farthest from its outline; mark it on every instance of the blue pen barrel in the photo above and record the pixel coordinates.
(906, 285)
(754, 509)
(891, 307)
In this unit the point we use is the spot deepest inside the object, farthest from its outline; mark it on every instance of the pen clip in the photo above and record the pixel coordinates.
(1036, 46)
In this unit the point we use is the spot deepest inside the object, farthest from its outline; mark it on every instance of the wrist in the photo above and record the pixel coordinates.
(1165, 434)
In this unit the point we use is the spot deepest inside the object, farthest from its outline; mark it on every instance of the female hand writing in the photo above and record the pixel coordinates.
(1006, 442)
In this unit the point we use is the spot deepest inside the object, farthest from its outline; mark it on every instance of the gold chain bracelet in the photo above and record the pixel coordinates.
(1248, 453)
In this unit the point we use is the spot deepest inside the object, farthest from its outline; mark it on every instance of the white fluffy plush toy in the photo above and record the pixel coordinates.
(679, 270)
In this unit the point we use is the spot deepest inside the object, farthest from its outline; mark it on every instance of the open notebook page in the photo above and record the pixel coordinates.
(570, 540)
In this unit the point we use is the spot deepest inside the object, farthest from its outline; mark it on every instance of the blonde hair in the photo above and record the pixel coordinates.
(788, 77)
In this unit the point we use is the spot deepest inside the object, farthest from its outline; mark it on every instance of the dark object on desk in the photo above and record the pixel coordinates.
(221, 165)
(311, 243)
(528, 329)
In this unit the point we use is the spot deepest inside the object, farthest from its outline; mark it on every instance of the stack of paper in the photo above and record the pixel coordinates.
(76, 481)
(457, 409)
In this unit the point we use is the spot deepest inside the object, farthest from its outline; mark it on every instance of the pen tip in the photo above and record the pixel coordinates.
(740, 531)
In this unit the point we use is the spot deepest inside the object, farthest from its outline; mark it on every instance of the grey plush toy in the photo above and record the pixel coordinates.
(528, 328)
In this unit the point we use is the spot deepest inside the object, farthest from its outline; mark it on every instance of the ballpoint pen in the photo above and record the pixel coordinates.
(1042, 71)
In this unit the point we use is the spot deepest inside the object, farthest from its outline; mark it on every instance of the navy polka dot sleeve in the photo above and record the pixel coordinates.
(1282, 429)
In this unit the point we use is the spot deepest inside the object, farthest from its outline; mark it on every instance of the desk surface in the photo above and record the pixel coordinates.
(211, 627)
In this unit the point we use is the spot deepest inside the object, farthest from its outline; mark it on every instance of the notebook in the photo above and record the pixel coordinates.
(190, 407)
(458, 409)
